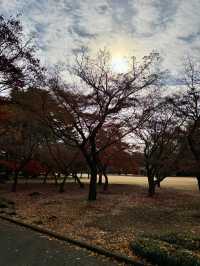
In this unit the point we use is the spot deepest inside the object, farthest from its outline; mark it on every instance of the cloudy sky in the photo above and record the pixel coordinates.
(125, 27)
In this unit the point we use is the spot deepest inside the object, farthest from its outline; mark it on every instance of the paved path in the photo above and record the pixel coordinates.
(23, 247)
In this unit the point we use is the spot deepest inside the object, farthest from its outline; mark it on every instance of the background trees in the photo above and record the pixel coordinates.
(18, 65)
(19, 69)
(187, 104)
(22, 139)
(116, 156)
(159, 136)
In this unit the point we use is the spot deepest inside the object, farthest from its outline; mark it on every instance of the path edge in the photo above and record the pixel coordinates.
(83, 244)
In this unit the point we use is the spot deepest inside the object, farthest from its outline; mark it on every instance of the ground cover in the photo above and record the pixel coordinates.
(117, 218)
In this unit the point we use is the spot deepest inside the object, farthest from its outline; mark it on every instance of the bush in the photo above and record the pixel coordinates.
(164, 254)
(6, 204)
(185, 241)
(3, 203)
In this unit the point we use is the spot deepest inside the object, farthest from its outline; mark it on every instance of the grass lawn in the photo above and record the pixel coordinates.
(116, 218)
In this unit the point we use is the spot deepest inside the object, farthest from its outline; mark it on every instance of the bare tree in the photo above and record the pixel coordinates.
(158, 136)
(100, 97)
(187, 106)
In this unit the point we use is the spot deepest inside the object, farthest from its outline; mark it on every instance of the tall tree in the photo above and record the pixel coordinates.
(99, 97)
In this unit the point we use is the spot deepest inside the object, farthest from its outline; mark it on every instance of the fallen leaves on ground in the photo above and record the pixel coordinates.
(112, 222)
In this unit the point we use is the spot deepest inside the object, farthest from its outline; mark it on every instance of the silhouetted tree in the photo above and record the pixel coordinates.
(187, 105)
(18, 65)
(101, 96)
(159, 135)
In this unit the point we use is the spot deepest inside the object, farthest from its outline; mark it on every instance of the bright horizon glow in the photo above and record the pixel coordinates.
(119, 65)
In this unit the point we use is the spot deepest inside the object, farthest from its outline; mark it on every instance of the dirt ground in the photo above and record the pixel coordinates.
(115, 219)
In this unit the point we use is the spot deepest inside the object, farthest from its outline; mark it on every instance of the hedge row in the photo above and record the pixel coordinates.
(164, 254)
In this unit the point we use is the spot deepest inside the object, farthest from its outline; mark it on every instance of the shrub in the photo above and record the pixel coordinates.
(164, 254)
(185, 241)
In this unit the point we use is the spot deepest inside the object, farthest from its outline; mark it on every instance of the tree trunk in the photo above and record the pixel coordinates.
(196, 155)
(45, 178)
(62, 184)
(151, 190)
(158, 183)
(26, 176)
(105, 187)
(100, 178)
(198, 181)
(14, 186)
(76, 178)
(55, 179)
(93, 180)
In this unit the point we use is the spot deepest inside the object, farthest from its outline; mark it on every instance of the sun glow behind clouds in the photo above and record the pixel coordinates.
(119, 65)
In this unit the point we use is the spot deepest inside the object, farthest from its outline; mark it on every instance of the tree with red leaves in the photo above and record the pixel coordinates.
(22, 139)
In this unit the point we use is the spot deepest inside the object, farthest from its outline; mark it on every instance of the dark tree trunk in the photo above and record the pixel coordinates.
(26, 176)
(196, 155)
(105, 187)
(100, 179)
(14, 186)
(158, 183)
(45, 178)
(88, 175)
(93, 180)
(55, 179)
(151, 183)
(77, 179)
(62, 184)
(198, 181)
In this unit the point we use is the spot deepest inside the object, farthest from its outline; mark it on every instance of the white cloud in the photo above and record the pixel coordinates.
(129, 26)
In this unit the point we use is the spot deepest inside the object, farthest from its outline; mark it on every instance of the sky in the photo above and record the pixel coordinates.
(124, 27)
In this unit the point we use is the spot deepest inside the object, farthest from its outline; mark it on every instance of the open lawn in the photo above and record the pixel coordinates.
(116, 218)
(185, 183)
